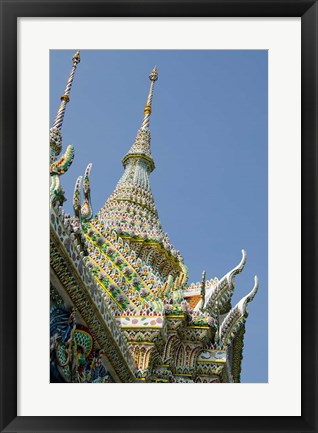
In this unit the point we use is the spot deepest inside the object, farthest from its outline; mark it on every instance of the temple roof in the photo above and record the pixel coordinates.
(121, 264)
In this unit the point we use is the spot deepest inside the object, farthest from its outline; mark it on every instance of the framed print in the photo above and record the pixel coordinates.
(120, 327)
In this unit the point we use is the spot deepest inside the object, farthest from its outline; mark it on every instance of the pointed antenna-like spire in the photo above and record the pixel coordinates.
(57, 168)
(147, 110)
(66, 95)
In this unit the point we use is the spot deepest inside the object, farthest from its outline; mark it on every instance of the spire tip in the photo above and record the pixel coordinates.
(154, 74)
(76, 58)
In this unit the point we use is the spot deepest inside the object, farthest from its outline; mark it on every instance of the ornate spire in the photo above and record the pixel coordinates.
(147, 110)
(141, 145)
(65, 98)
(203, 290)
(83, 212)
(59, 167)
(86, 209)
(131, 210)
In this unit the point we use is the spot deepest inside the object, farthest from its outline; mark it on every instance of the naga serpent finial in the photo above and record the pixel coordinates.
(153, 76)
(84, 211)
(86, 208)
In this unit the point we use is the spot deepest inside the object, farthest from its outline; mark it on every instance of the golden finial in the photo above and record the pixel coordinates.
(153, 76)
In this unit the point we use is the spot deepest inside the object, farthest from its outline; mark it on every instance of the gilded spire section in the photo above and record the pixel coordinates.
(147, 110)
(65, 98)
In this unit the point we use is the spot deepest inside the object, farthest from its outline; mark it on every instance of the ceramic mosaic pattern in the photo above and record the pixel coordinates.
(67, 239)
(130, 284)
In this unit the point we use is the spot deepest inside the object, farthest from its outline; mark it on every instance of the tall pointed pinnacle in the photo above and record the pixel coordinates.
(141, 145)
(65, 98)
(131, 209)
(55, 131)
(61, 165)
(147, 110)
(134, 185)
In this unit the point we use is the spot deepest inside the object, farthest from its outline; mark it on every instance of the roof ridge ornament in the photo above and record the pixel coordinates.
(224, 289)
(83, 211)
(237, 316)
(242, 304)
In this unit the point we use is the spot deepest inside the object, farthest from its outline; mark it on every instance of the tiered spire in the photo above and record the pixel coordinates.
(133, 189)
(131, 210)
(141, 145)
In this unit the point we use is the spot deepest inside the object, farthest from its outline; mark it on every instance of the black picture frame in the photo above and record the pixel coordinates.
(10, 11)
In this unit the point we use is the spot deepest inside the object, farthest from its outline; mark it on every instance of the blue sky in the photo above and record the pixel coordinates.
(209, 143)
